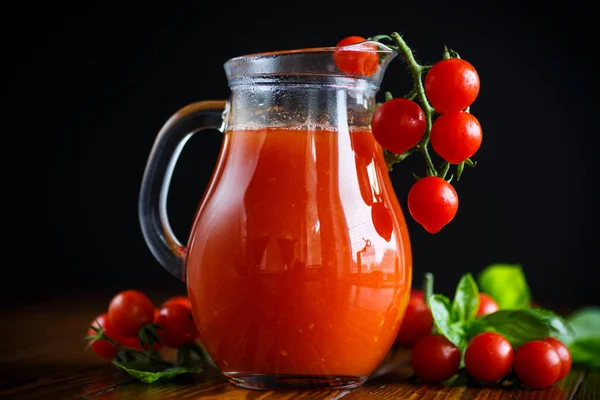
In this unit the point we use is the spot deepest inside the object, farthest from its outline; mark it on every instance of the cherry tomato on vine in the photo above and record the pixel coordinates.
(363, 61)
(434, 358)
(451, 85)
(129, 310)
(488, 357)
(456, 136)
(177, 325)
(398, 124)
(432, 202)
(487, 305)
(417, 321)
(537, 364)
(181, 300)
(564, 354)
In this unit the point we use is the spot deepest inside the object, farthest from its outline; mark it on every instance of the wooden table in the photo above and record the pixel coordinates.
(42, 356)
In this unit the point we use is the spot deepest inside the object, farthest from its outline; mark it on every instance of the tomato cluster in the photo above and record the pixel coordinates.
(129, 313)
(400, 125)
(418, 320)
(488, 358)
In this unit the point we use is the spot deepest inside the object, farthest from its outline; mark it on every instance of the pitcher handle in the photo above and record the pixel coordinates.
(152, 205)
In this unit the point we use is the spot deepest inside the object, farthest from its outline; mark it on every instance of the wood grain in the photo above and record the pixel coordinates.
(42, 356)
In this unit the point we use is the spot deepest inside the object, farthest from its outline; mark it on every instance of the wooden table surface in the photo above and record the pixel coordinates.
(42, 356)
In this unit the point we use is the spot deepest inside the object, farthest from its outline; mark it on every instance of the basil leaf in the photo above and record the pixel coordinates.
(466, 299)
(441, 309)
(586, 322)
(149, 372)
(506, 284)
(585, 346)
(523, 325)
(586, 351)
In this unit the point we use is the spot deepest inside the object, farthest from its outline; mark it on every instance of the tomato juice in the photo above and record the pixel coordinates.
(299, 259)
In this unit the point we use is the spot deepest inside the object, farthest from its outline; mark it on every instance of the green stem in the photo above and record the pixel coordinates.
(416, 71)
(428, 287)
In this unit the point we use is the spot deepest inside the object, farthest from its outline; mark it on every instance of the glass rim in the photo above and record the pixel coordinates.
(379, 48)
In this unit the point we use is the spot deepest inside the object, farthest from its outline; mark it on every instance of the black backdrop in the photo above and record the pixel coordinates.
(89, 86)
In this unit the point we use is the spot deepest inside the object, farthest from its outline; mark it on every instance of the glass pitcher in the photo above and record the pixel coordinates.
(298, 265)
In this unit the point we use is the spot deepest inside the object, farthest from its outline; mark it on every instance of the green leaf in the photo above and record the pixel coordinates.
(586, 322)
(523, 325)
(441, 309)
(466, 299)
(149, 372)
(585, 346)
(586, 351)
(506, 284)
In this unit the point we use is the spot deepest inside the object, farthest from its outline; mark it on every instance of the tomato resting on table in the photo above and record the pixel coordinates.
(488, 357)
(537, 364)
(417, 321)
(104, 348)
(487, 305)
(434, 358)
(564, 354)
(129, 311)
(177, 325)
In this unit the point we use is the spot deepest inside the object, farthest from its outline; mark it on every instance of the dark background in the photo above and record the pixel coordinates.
(89, 86)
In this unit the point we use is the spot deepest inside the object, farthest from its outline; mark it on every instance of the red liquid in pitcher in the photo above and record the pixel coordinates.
(299, 260)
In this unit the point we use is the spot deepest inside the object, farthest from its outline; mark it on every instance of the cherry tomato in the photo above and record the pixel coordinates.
(456, 136)
(103, 348)
(129, 310)
(432, 202)
(487, 305)
(398, 124)
(417, 321)
(488, 357)
(382, 220)
(564, 354)
(181, 300)
(363, 61)
(177, 324)
(537, 364)
(451, 85)
(434, 358)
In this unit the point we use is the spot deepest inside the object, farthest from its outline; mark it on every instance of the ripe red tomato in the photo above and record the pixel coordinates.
(181, 300)
(564, 354)
(488, 357)
(487, 305)
(537, 364)
(382, 220)
(103, 348)
(363, 61)
(451, 85)
(177, 325)
(129, 310)
(432, 202)
(398, 124)
(417, 321)
(456, 136)
(434, 358)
